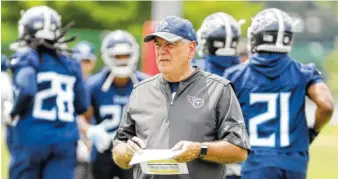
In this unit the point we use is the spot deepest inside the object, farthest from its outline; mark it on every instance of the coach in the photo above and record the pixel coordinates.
(182, 108)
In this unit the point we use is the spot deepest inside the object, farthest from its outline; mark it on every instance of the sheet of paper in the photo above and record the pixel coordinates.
(152, 154)
(159, 162)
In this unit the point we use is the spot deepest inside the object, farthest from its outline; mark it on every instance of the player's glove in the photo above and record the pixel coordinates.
(8, 119)
(82, 152)
(312, 134)
(99, 137)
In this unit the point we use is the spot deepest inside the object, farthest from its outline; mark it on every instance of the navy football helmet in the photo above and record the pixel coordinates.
(41, 25)
(116, 43)
(219, 35)
(84, 50)
(271, 30)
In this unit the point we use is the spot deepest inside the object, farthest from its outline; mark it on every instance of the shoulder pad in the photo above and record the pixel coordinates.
(142, 76)
(216, 78)
(147, 80)
(232, 72)
(96, 79)
(29, 57)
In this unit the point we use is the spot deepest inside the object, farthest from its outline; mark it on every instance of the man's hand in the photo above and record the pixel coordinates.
(135, 144)
(187, 151)
(99, 137)
(124, 152)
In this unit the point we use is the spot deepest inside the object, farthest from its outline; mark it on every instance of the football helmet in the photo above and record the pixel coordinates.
(219, 35)
(271, 30)
(118, 43)
(84, 50)
(41, 25)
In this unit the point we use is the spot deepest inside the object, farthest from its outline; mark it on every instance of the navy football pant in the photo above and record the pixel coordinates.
(104, 167)
(272, 173)
(233, 177)
(52, 161)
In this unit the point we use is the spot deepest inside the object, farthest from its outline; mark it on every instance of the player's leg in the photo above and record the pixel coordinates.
(102, 166)
(233, 177)
(62, 161)
(26, 162)
(264, 173)
(119, 173)
(83, 171)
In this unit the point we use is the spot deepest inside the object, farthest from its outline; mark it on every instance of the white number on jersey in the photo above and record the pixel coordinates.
(64, 108)
(270, 114)
(116, 112)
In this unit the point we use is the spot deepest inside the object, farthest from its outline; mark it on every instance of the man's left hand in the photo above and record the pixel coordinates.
(186, 151)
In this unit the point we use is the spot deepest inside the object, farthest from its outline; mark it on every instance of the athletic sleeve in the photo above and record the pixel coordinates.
(230, 121)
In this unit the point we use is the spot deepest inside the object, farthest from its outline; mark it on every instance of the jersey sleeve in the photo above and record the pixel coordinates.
(311, 74)
(230, 121)
(24, 66)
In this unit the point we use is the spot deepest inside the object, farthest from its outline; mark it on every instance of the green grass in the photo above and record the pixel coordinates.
(323, 155)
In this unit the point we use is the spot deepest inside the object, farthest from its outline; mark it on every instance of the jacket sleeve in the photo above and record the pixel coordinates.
(230, 122)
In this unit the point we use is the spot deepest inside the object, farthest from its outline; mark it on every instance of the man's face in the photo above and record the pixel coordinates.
(173, 56)
(87, 66)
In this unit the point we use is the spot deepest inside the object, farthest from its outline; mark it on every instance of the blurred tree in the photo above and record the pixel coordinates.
(331, 66)
(196, 11)
(94, 18)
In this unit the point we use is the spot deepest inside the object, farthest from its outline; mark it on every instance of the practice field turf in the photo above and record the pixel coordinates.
(323, 155)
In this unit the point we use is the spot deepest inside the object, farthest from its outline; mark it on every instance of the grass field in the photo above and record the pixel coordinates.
(323, 155)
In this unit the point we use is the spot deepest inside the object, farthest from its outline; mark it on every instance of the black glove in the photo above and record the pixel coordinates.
(312, 135)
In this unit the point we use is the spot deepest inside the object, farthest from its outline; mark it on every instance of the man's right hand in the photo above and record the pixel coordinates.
(124, 152)
(99, 137)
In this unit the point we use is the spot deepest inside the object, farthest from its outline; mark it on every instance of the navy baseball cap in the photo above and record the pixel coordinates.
(173, 29)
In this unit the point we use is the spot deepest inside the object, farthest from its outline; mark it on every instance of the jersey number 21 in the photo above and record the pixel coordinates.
(270, 114)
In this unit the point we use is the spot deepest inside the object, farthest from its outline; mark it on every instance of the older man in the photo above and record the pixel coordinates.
(182, 108)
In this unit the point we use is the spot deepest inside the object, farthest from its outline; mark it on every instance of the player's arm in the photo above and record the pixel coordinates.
(26, 88)
(84, 120)
(233, 142)
(95, 133)
(320, 94)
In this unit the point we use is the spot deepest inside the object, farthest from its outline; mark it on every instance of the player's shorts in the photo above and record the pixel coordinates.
(104, 167)
(272, 173)
(53, 161)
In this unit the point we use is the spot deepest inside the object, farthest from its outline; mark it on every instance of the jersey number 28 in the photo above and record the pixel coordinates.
(61, 87)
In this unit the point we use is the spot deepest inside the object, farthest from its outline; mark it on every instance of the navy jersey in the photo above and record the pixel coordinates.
(271, 90)
(108, 106)
(57, 93)
(198, 62)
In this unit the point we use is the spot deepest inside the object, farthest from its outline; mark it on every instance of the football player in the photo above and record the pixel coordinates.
(109, 90)
(272, 89)
(218, 39)
(84, 52)
(49, 94)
